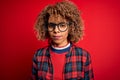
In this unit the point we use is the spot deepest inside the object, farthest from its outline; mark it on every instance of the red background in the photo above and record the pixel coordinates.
(18, 41)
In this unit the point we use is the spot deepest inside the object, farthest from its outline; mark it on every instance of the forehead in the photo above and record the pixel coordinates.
(56, 19)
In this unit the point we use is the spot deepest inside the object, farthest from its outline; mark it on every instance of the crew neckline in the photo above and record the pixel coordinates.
(61, 49)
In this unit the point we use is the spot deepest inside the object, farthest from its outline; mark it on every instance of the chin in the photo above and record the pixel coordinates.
(57, 41)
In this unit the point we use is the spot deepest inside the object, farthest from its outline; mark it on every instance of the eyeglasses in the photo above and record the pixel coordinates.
(61, 26)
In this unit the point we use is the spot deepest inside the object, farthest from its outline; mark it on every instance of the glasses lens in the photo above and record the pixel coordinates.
(51, 26)
(62, 26)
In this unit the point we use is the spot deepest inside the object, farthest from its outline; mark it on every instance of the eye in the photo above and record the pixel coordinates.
(62, 25)
(51, 25)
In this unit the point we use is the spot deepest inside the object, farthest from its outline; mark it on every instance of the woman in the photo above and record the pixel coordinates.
(62, 25)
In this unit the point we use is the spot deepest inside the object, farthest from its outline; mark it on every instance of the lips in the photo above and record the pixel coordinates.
(57, 37)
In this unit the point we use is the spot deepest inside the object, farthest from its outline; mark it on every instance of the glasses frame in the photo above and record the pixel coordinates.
(54, 25)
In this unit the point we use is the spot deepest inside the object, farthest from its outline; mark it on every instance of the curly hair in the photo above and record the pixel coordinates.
(66, 9)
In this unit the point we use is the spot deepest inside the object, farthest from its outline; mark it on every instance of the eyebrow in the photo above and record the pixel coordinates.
(57, 23)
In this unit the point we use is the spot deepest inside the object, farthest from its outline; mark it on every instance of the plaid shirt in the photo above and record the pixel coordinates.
(77, 65)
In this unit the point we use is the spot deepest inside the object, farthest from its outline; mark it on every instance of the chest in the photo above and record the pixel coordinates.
(72, 66)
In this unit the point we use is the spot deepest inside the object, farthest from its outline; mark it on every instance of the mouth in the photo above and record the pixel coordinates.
(57, 37)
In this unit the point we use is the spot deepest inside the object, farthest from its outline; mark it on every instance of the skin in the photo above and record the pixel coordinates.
(59, 39)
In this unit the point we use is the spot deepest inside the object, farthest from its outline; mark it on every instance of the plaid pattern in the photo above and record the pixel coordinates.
(77, 65)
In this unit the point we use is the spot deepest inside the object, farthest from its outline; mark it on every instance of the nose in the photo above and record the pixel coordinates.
(56, 29)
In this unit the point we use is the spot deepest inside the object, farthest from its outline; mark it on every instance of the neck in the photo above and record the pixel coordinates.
(60, 48)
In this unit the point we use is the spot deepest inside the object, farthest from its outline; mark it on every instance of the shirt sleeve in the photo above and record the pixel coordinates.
(88, 67)
(34, 67)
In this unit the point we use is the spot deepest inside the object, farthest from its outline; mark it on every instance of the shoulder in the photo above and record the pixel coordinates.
(81, 51)
(84, 54)
(41, 51)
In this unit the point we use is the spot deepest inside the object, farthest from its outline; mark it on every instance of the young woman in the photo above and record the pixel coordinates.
(62, 25)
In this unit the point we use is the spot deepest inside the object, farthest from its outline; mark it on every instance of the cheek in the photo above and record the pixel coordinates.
(50, 33)
(65, 34)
